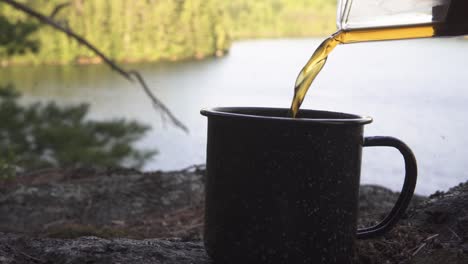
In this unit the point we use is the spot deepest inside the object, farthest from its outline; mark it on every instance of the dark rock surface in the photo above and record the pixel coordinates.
(18, 249)
(44, 217)
(434, 232)
(98, 202)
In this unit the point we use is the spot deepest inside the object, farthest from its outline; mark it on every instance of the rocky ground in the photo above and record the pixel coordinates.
(104, 203)
(82, 215)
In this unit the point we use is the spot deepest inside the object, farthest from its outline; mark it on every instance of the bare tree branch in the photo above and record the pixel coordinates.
(58, 8)
(157, 103)
(126, 74)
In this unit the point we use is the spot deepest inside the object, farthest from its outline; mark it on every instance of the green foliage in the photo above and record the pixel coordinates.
(151, 30)
(280, 18)
(127, 30)
(14, 37)
(7, 165)
(46, 135)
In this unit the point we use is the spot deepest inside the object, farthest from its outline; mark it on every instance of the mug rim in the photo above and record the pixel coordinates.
(236, 112)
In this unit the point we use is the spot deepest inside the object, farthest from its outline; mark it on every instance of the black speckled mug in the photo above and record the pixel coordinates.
(282, 190)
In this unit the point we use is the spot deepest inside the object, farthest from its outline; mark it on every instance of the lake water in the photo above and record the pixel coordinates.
(415, 90)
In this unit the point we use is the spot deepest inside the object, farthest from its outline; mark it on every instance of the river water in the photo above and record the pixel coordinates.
(415, 90)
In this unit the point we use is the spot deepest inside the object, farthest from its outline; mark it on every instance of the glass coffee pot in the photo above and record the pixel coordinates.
(445, 17)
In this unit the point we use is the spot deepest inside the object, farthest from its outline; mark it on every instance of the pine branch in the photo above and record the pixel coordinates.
(158, 104)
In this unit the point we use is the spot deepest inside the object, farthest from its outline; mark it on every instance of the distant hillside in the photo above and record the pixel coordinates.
(280, 18)
(152, 30)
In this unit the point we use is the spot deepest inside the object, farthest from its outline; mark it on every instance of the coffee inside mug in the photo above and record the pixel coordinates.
(284, 114)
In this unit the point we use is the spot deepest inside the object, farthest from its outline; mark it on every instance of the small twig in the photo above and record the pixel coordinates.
(419, 249)
(58, 8)
(453, 232)
(197, 220)
(25, 255)
(431, 237)
(426, 241)
(31, 257)
(126, 74)
(156, 102)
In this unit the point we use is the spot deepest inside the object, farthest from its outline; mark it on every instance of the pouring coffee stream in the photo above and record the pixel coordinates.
(418, 19)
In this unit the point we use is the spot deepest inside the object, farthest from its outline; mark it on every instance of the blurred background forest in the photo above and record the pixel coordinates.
(68, 109)
(38, 135)
(152, 30)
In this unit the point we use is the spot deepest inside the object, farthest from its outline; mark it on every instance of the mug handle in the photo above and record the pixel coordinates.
(406, 193)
